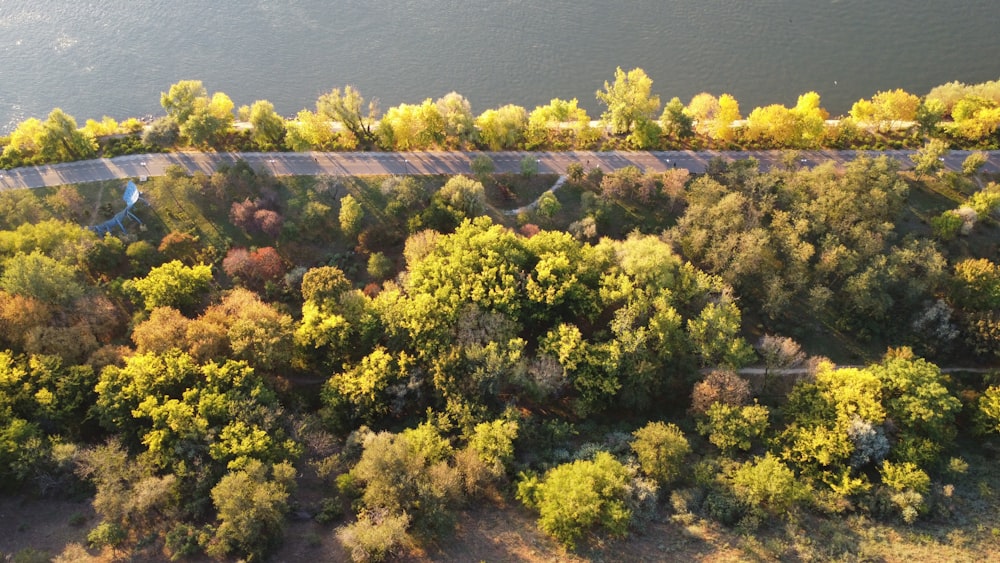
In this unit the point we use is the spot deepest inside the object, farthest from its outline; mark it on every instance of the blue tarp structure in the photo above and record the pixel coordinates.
(131, 197)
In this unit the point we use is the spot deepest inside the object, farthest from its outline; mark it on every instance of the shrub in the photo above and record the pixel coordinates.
(376, 536)
(661, 449)
(768, 483)
(719, 386)
(578, 496)
(493, 442)
(988, 410)
(947, 225)
(107, 534)
(909, 484)
(730, 428)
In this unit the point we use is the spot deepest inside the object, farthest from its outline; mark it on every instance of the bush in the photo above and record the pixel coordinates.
(576, 497)
(730, 428)
(661, 449)
(376, 536)
(724, 507)
(909, 485)
(719, 386)
(768, 483)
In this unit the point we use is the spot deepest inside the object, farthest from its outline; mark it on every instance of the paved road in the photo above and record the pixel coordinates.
(409, 163)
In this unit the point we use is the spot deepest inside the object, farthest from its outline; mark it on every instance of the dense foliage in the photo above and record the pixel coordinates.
(398, 349)
(953, 114)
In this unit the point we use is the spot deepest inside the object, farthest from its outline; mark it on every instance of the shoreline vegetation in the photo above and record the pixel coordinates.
(745, 362)
(958, 115)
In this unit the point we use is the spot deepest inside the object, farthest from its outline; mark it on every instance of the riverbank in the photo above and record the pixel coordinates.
(425, 163)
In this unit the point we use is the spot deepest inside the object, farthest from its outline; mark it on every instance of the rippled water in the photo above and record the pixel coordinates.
(114, 57)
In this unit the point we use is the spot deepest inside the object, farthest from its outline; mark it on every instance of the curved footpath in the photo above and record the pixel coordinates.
(417, 163)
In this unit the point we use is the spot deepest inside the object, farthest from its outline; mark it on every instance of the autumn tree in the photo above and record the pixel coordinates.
(210, 121)
(312, 131)
(502, 128)
(885, 109)
(629, 100)
(179, 101)
(348, 108)
(268, 127)
(412, 127)
(459, 122)
(929, 158)
(558, 124)
(173, 285)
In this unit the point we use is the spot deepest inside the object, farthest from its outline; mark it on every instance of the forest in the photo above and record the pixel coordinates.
(794, 363)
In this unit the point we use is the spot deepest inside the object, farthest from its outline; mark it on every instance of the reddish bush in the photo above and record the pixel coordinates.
(261, 265)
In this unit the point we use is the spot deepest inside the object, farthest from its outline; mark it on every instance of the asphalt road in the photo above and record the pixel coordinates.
(416, 163)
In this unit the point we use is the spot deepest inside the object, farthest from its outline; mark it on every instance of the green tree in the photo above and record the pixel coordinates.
(556, 124)
(210, 121)
(928, 158)
(174, 285)
(675, 122)
(465, 197)
(629, 100)
(715, 335)
(268, 126)
(459, 122)
(661, 449)
(529, 165)
(732, 428)
(179, 101)
(399, 477)
(493, 442)
(348, 109)
(163, 132)
(62, 141)
(976, 284)
(412, 127)
(917, 399)
(574, 498)
(351, 216)
(502, 128)
(380, 266)
(43, 278)
(251, 509)
(768, 483)
(324, 285)
(482, 166)
(974, 163)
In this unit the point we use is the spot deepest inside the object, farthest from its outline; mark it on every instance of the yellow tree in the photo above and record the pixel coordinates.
(775, 124)
(545, 122)
(503, 128)
(703, 108)
(729, 111)
(409, 127)
(886, 108)
(629, 100)
(812, 119)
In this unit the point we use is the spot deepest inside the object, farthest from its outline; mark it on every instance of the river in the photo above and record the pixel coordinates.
(115, 57)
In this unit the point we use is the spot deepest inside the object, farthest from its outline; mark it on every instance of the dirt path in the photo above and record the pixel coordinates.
(534, 204)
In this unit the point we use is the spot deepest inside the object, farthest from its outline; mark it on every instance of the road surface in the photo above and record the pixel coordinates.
(417, 163)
